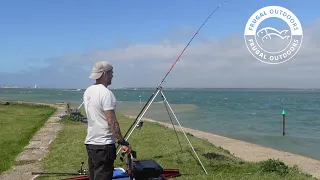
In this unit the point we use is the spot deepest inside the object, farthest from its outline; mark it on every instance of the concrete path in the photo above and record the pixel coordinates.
(252, 152)
(29, 160)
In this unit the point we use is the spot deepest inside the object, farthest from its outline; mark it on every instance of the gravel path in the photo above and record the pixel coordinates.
(29, 160)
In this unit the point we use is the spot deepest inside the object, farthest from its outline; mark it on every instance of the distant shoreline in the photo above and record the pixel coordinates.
(172, 88)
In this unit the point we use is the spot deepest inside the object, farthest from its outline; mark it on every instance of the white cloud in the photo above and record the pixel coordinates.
(205, 63)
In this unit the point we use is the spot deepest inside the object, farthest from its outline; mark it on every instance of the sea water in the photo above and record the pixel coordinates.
(246, 114)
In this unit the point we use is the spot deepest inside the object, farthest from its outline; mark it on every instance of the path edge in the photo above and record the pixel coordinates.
(29, 160)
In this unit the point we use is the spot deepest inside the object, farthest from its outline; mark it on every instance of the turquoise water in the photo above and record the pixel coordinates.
(250, 115)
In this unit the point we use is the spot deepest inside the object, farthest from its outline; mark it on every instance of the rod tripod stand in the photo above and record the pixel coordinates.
(144, 110)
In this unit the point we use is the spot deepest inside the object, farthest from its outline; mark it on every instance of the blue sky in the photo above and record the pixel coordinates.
(39, 36)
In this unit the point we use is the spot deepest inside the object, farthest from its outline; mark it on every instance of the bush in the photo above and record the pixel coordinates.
(73, 117)
(272, 165)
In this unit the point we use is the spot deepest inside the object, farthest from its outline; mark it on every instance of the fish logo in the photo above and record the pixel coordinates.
(268, 32)
(269, 44)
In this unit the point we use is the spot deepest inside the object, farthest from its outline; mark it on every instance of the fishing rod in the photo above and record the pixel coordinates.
(154, 94)
(80, 172)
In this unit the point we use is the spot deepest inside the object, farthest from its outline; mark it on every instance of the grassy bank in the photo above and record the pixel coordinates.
(18, 123)
(156, 142)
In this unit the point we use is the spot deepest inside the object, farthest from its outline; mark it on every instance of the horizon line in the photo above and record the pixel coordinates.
(289, 88)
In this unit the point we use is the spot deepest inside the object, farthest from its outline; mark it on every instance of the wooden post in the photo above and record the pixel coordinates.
(68, 109)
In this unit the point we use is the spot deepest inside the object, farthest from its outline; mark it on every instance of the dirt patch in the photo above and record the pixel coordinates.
(19, 163)
(214, 156)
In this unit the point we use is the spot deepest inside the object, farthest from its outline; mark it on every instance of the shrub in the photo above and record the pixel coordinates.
(272, 165)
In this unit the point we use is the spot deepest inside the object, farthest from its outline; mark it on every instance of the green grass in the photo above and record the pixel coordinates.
(18, 123)
(157, 142)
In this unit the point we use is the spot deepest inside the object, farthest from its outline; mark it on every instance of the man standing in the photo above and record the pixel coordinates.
(103, 127)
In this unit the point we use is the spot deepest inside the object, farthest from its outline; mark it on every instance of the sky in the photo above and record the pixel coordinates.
(54, 44)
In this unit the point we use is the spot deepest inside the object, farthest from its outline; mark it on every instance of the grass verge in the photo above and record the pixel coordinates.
(157, 142)
(18, 123)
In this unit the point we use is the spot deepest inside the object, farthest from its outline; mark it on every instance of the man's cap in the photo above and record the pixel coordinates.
(99, 68)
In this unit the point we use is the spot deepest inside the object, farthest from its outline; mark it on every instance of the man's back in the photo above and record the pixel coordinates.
(97, 99)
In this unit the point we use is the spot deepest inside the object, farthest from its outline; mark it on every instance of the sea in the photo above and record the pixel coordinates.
(251, 115)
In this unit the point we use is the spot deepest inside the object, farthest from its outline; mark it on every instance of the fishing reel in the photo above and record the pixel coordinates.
(130, 156)
(139, 125)
(83, 171)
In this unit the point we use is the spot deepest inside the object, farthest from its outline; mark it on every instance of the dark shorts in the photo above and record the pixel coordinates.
(100, 161)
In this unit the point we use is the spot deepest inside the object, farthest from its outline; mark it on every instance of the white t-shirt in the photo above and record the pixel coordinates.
(97, 99)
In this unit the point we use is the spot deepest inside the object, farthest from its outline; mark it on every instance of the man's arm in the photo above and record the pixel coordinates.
(114, 124)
